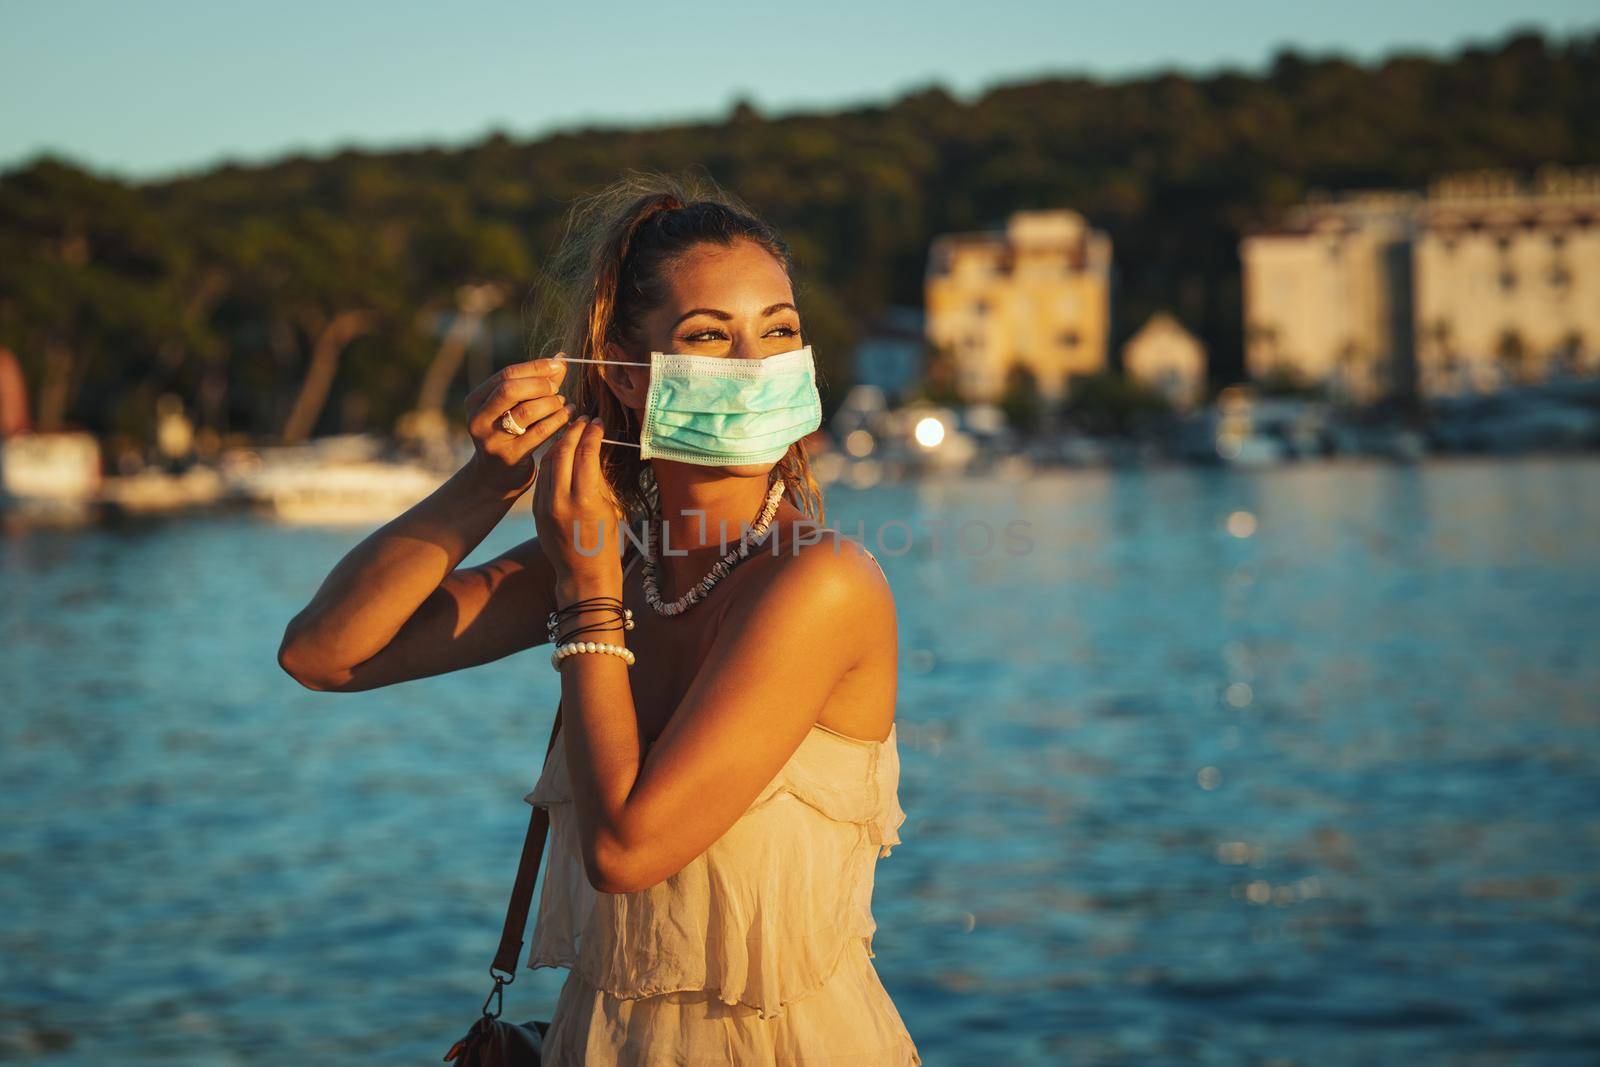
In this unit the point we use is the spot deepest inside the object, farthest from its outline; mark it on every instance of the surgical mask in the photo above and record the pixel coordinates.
(721, 411)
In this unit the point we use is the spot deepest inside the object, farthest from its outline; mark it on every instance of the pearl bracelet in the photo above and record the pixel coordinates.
(573, 648)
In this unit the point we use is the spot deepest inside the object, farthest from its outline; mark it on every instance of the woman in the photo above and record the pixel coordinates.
(726, 773)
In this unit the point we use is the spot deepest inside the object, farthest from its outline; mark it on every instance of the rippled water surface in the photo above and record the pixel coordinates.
(1295, 766)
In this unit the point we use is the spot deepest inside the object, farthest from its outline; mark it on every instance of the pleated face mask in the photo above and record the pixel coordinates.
(719, 411)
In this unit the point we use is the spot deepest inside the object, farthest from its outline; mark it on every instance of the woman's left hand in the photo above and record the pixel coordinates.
(577, 517)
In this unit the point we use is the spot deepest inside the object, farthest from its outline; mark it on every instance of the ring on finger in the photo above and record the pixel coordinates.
(510, 425)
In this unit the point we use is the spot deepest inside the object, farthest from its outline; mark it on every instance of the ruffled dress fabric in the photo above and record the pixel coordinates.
(755, 953)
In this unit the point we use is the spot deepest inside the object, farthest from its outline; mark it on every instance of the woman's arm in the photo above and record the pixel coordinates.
(777, 657)
(395, 607)
(763, 684)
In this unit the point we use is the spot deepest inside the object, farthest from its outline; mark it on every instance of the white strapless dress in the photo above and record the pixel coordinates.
(758, 952)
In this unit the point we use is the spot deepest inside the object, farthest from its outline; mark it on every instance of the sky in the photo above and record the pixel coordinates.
(159, 88)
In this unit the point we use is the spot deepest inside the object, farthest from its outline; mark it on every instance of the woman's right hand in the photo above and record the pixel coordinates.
(502, 461)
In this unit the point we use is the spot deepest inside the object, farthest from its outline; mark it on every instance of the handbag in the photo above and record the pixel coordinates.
(491, 1041)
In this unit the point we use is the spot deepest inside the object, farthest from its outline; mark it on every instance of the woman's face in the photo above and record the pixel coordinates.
(734, 302)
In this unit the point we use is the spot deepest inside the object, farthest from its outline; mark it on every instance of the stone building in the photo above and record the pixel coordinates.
(1167, 357)
(1037, 294)
(1508, 282)
(1483, 281)
(1327, 296)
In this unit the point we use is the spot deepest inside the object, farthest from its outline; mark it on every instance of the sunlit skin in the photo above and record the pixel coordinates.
(667, 754)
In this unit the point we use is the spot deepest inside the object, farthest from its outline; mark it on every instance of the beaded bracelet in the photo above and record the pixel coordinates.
(576, 647)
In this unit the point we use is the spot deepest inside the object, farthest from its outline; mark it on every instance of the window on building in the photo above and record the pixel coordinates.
(1508, 281)
(1068, 339)
(1568, 357)
(1512, 352)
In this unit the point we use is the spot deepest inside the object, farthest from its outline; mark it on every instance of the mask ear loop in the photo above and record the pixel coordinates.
(623, 362)
(614, 362)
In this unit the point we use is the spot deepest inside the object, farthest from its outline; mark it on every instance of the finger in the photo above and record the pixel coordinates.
(541, 488)
(540, 427)
(487, 386)
(546, 485)
(541, 470)
(533, 368)
(586, 476)
(558, 462)
(529, 413)
(503, 399)
(516, 390)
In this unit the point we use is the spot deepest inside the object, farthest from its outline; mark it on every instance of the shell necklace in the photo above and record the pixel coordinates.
(722, 567)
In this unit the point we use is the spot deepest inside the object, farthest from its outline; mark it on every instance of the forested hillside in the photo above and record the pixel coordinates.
(223, 287)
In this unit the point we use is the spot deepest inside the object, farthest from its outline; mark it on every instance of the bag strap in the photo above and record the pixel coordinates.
(510, 950)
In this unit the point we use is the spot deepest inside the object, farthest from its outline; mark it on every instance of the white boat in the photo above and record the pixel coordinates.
(339, 482)
(154, 491)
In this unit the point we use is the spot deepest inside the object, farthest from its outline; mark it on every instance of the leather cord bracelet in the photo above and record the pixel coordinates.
(621, 617)
(561, 639)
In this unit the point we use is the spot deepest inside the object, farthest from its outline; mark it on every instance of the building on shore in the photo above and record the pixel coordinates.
(1483, 281)
(1327, 296)
(1035, 295)
(1168, 358)
(1508, 282)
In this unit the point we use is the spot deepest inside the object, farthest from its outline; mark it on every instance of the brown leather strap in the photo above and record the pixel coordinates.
(510, 951)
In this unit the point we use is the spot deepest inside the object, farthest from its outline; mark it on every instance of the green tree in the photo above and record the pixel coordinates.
(242, 288)
(1021, 402)
(940, 383)
(1110, 403)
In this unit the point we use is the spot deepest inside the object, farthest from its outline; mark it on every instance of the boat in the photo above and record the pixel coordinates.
(342, 480)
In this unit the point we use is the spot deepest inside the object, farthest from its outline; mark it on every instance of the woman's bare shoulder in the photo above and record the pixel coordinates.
(824, 571)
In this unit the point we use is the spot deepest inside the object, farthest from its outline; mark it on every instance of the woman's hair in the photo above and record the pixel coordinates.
(608, 272)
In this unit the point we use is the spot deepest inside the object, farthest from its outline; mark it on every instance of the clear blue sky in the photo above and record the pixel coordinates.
(154, 88)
